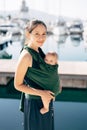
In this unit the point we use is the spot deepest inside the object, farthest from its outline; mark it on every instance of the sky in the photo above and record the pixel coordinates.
(69, 8)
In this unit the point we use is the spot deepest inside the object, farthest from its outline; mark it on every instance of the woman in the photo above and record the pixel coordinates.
(35, 33)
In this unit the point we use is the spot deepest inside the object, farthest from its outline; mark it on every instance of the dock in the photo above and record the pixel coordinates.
(72, 74)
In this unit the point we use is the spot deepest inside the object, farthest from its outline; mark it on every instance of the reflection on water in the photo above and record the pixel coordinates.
(10, 117)
(68, 115)
(69, 48)
(73, 49)
(76, 39)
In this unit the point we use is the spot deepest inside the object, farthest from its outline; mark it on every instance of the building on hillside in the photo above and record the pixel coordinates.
(24, 10)
(24, 7)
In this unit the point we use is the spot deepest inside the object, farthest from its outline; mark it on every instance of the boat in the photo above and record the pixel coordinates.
(85, 33)
(5, 38)
(11, 27)
(5, 55)
(60, 28)
(85, 37)
(76, 27)
(60, 38)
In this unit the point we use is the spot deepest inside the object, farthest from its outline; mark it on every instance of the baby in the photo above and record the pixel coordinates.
(52, 59)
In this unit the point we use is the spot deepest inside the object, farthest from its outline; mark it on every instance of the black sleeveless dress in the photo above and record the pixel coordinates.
(33, 119)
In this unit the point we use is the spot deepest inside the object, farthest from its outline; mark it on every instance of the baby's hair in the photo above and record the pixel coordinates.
(53, 54)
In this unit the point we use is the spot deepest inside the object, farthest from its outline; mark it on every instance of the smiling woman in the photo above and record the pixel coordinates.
(33, 93)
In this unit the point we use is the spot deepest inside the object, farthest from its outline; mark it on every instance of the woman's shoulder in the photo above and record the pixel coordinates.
(25, 58)
(25, 54)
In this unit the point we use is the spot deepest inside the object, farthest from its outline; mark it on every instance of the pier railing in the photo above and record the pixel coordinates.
(72, 74)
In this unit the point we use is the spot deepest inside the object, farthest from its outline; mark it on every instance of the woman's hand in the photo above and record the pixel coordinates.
(47, 96)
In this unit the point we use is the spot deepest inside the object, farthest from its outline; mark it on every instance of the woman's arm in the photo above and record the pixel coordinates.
(24, 62)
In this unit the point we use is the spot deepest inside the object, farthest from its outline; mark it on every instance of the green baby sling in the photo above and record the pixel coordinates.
(45, 75)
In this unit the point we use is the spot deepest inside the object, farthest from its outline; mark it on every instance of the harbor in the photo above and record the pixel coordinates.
(72, 74)
(67, 36)
(72, 70)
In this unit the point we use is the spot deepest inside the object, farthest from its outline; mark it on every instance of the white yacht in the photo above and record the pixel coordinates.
(5, 38)
(76, 27)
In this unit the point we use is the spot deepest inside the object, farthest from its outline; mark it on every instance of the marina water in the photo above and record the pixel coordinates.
(69, 48)
(68, 115)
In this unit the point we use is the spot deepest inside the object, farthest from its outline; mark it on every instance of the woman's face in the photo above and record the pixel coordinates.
(38, 35)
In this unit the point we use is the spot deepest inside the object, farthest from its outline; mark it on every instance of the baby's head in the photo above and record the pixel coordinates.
(51, 58)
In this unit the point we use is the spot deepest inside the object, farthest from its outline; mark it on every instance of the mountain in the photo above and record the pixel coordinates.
(42, 15)
(31, 14)
(48, 18)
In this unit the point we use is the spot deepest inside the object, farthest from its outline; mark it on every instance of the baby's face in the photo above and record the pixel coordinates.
(50, 59)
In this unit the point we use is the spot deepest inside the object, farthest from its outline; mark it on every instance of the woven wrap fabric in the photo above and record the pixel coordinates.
(43, 76)
(46, 76)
